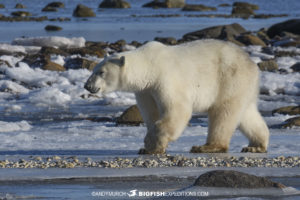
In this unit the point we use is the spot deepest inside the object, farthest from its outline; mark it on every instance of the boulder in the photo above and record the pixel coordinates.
(244, 12)
(287, 110)
(51, 66)
(80, 63)
(295, 121)
(296, 67)
(49, 9)
(234, 179)
(167, 40)
(2, 6)
(165, 4)
(130, 116)
(249, 39)
(86, 51)
(223, 32)
(56, 4)
(21, 14)
(292, 26)
(47, 51)
(20, 6)
(224, 5)
(83, 11)
(197, 7)
(268, 65)
(245, 4)
(53, 28)
(114, 4)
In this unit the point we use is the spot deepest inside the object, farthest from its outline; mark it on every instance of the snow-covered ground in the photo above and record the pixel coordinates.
(47, 110)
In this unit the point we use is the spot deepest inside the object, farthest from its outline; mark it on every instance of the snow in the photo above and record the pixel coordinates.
(14, 126)
(7, 48)
(54, 41)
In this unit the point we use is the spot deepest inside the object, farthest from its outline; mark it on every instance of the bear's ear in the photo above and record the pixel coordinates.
(122, 61)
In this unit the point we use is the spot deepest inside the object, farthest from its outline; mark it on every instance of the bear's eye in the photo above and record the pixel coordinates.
(101, 73)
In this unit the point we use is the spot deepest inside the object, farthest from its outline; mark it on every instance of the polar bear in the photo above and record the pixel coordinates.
(172, 82)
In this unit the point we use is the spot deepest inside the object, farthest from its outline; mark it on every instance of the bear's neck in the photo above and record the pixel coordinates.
(137, 74)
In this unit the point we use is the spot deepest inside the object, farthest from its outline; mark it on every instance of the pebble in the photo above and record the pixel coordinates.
(152, 162)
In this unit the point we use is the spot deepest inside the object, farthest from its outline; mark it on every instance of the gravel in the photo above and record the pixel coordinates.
(152, 162)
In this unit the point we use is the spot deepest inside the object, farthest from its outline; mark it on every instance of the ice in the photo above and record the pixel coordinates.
(287, 62)
(10, 86)
(14, 126)
(54, 41)
(9, 49)
(11, 60)
(58, 59)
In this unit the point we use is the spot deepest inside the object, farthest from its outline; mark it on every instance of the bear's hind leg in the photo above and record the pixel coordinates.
(223, 120)
(255, 129)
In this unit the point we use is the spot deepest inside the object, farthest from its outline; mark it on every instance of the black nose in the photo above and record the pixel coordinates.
(87, 87)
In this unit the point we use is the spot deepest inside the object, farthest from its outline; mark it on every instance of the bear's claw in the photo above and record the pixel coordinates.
(208, 149)
(254, 150)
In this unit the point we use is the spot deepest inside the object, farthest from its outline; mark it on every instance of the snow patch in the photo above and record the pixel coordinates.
(53, 41)
(14, 126)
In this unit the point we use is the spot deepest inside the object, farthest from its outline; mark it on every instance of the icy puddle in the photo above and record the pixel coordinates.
(141, 183)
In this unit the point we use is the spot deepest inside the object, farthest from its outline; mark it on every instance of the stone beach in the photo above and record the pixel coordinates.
(153, 162)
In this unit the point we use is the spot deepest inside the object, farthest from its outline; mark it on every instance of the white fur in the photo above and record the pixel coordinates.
(171, 82)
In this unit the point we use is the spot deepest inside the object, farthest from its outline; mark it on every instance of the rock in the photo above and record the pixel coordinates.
(51, 66)
(86, 51)
(262, 34)
(167, 40)
(130, 116)
(223, 32)
(56, 4)
(292, 26)
(114, 4)
(21, 14)
(224, 5)
(234, 179)
(268, 65)
(197, 7)
(20, 6)
(288, 110)
(165, 4)
(83, 11)
(80, 63)
(245, 4)
(295, 121)
(49, 9)
(296, 67)
(47, 51)
(244, 12)
(53, 28)
(2, 6)
(249, 39)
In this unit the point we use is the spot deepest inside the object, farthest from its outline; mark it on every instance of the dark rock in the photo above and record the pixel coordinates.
(224, 5)
(223, 32)
(130, 116)
(234, 179)
(118, 45)
(295, 121)
(288, 110)
(249, 39)
(245, 4)
(262, 34)
(197, 7)
(21, 14)
(168, 40)
(53, 28)
(47, 51)
(136, 44)
(56, 4)
(268, 65)
(165, 4)
(83, 11)
(292, 26)
(114, 4)
(243, 12)
(80, 63)
(86, 51)
(266, 16)
(20, 6)
(2, 6)
(49, 9)
(51, 66)
(286, 54)
(296, 67)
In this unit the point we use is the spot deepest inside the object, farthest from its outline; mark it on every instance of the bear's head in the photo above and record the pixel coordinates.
(106, 75)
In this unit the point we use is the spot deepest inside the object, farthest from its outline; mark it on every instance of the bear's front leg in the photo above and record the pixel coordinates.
(154, 144)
